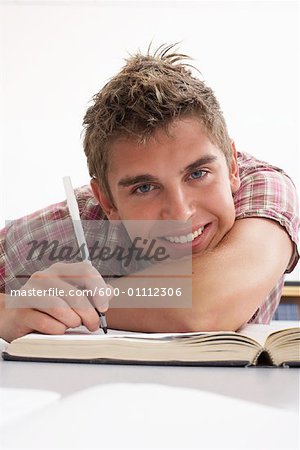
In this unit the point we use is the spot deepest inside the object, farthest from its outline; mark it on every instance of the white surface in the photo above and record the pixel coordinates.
(109, 406)
(151, 415)
(17, 403)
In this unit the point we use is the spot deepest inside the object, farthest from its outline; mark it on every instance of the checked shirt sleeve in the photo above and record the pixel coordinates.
(269, 193)
(50, 224)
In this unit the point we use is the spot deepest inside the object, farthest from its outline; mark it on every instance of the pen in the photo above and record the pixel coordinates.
(74, 213)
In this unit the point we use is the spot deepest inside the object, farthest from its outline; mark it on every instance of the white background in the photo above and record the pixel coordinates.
(55, 55)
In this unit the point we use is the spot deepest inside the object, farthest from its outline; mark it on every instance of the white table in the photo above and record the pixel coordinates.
(83, 406)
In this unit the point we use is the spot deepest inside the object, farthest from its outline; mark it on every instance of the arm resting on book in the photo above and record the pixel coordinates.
(229, 282)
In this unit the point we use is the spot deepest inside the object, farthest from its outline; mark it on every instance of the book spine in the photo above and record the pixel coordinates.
(263, 358)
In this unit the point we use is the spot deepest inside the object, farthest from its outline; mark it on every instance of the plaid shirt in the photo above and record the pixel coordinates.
(265, 191)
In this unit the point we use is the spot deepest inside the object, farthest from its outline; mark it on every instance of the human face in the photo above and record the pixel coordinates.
(179, 176)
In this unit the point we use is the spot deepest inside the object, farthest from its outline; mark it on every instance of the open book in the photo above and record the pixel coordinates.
(252, 345)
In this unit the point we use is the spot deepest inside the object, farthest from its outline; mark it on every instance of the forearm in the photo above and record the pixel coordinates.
(229, 283)
(192, 312)
(241, 272)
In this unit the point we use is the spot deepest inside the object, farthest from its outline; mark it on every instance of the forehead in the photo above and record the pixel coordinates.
(182, 140)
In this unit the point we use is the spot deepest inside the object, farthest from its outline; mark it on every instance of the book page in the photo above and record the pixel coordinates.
(260, 332)
(82, 332)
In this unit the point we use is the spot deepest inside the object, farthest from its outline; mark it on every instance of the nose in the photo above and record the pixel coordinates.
(177, 205)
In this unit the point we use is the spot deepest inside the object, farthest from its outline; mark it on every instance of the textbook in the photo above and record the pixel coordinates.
(253, 345)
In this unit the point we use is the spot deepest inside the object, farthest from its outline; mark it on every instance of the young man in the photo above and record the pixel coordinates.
(158, 149)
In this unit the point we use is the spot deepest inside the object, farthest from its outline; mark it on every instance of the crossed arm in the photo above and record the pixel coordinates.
(229, 283)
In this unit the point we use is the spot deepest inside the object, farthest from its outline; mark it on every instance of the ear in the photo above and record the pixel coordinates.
(234, 175)
(104, 201)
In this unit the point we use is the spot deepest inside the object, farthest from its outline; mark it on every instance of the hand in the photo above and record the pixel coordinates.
(70, 294)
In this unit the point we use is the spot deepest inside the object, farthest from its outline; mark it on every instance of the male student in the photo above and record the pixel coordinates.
(157, 148)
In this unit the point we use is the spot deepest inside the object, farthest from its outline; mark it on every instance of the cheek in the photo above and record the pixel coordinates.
(133, 214)
(220, 203)
(227, 213)
(136, 209)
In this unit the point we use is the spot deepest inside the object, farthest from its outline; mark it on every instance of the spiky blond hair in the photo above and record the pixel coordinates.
(149, 93)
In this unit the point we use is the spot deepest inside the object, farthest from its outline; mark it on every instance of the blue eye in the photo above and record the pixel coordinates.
(144, 188)
(197, 174)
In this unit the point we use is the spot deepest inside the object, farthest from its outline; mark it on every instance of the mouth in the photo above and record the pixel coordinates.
(186, 238)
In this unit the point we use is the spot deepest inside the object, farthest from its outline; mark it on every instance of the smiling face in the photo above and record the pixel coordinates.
(179, 176)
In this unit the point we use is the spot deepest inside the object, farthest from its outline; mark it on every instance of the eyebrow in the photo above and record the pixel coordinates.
(144, 178)
(207, 159)
(148, 178)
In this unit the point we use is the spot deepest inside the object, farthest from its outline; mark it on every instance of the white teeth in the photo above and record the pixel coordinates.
(190, 237)
(183, 239)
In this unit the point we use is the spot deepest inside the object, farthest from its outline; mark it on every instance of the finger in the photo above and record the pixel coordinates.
(43, 289)
(77, 311)
(101, 292)
(83, 274)
(63, 313)
(110, 291)
(88, 314)
(46, 291)
(59, 281)
(41, 322)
